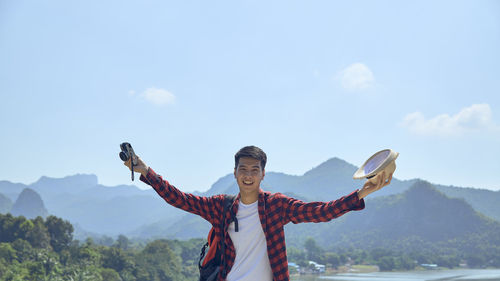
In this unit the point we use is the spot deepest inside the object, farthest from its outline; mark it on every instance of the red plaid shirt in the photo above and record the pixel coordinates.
(275, 210)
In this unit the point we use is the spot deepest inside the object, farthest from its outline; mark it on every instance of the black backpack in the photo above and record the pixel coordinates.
(209, 266)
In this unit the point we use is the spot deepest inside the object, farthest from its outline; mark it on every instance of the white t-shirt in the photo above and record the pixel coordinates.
(251, 262)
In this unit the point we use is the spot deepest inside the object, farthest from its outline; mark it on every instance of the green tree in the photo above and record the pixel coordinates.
(115, 258)
(313, 251)
(378, 253)
(25, 227)
(332, 258)
(449, 261)
(297, 256)
(5, 225)
(157, 262)
(82, 272)
(7, 253)
(36, 270)
(12, 228)
(38, 235)
(476, 260)
(109, 274)
(60, 232)
(23, 248)
(386, 263)
(190, 251)
(15, 272)
(404, 262)
(88, 254)
(122, 242)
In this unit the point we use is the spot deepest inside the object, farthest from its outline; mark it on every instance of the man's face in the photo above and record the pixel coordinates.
(249, 174)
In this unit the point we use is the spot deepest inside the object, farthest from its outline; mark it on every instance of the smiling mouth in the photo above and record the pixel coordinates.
(248, 182)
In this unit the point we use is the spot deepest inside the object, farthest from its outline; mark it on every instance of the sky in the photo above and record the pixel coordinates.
(188, 83)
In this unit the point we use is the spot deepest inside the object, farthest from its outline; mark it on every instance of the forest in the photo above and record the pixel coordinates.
(44, 249)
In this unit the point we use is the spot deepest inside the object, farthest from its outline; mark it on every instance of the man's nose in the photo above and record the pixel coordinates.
(247, 173)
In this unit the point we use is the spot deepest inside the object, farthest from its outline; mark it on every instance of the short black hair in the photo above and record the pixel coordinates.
(252, 152)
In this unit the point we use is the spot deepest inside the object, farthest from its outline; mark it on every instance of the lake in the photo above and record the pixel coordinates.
(458, 274)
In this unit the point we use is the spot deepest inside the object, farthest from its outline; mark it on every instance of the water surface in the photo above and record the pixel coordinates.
(458, 274)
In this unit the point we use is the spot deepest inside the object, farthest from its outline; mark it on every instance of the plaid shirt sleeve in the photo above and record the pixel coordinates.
(297, 211)
(206, 207)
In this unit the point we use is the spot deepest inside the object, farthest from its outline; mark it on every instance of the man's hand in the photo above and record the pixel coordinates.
(141, 167)
(370, 187)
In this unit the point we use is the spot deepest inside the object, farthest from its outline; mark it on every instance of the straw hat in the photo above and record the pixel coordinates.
(383, 160)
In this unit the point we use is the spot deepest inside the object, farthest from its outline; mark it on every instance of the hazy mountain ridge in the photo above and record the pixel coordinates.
(126, 209)
(11, 190)
(333, 179)
(420, 217)
(96, 208)
(5, 204)
(483, 200)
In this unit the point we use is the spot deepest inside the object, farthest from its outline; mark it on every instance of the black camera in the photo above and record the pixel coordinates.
(128, 153)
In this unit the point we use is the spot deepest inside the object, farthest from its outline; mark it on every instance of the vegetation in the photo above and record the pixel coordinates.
(39, 249)
(396, 260)
(44, 249)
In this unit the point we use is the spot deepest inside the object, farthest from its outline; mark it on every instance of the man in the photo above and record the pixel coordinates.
(255, 241)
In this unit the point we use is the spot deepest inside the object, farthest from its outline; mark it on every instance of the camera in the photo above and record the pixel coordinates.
(128, 153)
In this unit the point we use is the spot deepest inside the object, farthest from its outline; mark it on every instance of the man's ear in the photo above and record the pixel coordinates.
(263, 173)
(234, 173)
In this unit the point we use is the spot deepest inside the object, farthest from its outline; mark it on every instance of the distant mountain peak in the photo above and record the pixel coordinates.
(220, 186)
(424, 191)
(333, 165)
(87, 179)
(74, 182)
(422, 187)
(29, 204)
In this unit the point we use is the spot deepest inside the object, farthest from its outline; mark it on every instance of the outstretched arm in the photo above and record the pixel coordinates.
(206, 207)
(298, 211)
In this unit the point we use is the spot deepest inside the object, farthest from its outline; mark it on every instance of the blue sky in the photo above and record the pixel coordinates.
(188, 83)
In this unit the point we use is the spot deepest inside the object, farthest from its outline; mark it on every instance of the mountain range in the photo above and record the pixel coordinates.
(420, 217)
(126, 209)
(93, 208)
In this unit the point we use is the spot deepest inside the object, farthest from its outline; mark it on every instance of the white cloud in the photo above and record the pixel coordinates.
(356, 77)
(158, 96)
(475, 118)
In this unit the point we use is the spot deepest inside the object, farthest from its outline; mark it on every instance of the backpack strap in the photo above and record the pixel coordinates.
(228, 203)
(232, 198)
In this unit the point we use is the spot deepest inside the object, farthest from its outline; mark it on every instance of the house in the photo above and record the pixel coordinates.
(319, 268)
(292, 266)
(429, 266)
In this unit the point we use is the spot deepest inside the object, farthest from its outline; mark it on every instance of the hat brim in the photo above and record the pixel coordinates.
(376, 163)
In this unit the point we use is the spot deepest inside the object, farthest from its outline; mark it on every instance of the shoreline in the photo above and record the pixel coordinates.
(360, 269)
(477, 274)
